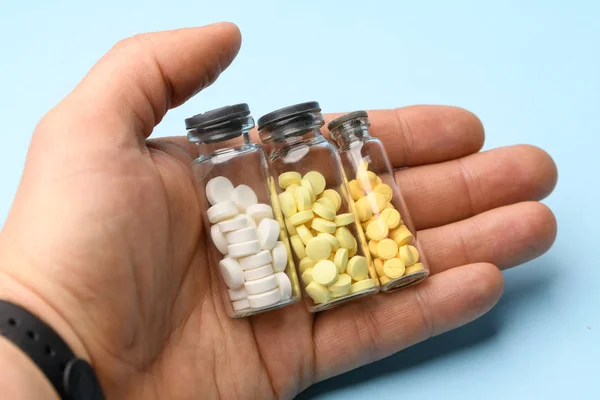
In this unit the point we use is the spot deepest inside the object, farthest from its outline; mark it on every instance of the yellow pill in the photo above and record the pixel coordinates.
(327, 202)
(302, 197)
(305, 183)
(385, 190)
(318, 249)
(305, 264)
(389, 205)
(288, 204)
(319, 293)
(307, 276)
(290, 189)
(323, 211)
(364, 209)
(322, 225)
(288, 178)
(353, 250)
(387, 249)
(325, 272)
(379, 266)
(301, 217)
(373, 247)
(341, 285)
(317, 181)
(341, 259)
(418, 267)
(358, 268)
(363, 285)
(345, 237)
(401, 236)
(408, 254)
(298, 246)
(366, 223)
(379, 181)
(367, 180)
(335, 243)
(304, 234)
(377, 230)
(391, 218)
(356, 192)
(344, 219)
(394, 268)
(333, 196)
(384, 280)
(377, 200)
(290, 228)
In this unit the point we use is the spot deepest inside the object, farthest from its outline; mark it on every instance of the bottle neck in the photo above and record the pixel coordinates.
(356, 130)
(222, 137)
(296, 129)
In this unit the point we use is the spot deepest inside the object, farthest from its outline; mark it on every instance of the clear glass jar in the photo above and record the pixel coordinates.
(385, 219)
(328, 245)
(246, 237)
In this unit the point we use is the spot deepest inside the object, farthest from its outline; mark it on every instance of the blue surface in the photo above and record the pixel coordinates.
(530, 71)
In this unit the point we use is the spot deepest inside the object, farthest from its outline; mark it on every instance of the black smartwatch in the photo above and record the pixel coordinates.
(72, 377)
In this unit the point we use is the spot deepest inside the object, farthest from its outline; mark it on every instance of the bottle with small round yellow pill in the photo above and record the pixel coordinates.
(325, 236)
(247, 241)
(392, 243)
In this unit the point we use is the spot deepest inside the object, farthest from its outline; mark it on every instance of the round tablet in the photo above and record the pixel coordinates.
(264, 299)
(378, 262)
(334, 196)
(318, 249)
(356, 192)
(218, 189)
(325, 272)
(391, 217)
(289, 178)
(243, 235)
(305, 183)
(367, 180)
(327, 202)
(364, 209)
(323, 225)
(385, 190)
(240, 304)
(414, 268)
(302, 198)
(298, 246)
(259, 211)
(243, 197)
(218, 239)
(341, 259)
(305, 264)
(317, 180)
(221, 211)
(288, 204)
(290, 228)
(318, 293)
(238, 222)
(268, 233)
(408, 254)
(285, 286)
(358, 268)
(401, 236)
(301, 217)
(280, 257)
(377, 199)
(354, 249)
(307, 276)
(257, 273)
(345, 237)
(373, 247)
(344, 219)
(261, 285)
(256, 260)
(342, 284)
(237, 294)
(333, 241)
(387, 248)
(232, 273)
(377, 230)
(363, 285)
(243, 249)
(304, 234)
(251, 221)
(323, 211)
(292, 187)
(394, 268)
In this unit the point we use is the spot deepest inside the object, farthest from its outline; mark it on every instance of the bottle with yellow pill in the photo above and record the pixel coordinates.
(392, 243)
(245, 230)
(327, 242)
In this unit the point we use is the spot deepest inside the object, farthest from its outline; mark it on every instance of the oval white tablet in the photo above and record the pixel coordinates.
(256, 260)
(259, 211)
(280, 257)
(221, 211)
(284, 284)
(219, 189)
(243, 249)
(232, 273)
(264, 299)
(243, 235)
(218, 239)
(268, 233)
(243, 197)
(257, 273)
(238, 222)
(261, 285)
(240, 304)
(237, 294)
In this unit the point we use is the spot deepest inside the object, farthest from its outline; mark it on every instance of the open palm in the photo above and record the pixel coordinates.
(105, 239)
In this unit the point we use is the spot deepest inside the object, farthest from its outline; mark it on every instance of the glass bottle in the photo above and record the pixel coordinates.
(385, 219)
(246, 239)
(328, 245)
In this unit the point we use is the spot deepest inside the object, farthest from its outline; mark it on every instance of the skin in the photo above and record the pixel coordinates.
(104, 239)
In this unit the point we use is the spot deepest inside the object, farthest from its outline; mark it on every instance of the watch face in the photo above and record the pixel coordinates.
(80, 381)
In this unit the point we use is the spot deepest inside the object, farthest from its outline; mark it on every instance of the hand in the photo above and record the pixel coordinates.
(104, 239)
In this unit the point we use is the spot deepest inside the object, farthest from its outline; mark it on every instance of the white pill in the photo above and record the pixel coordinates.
(251, 221)
(259, 211)
(243, 197)
(237, 294)
(243, 235)
(280, 257)
(238, 222)
(285, 286)
(256, 260)
(241, 304)
(264, 299)
(232, 273)
(268, 233)
(261, 285)
(257, 273)
(243, 249)
(219, 189)
(221, 211)
(218, 239)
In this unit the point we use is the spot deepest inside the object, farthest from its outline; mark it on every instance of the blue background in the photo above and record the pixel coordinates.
(530, 70)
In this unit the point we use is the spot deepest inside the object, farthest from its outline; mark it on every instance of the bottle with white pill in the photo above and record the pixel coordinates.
(246, 238)
(379, 205)
(327, 242)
